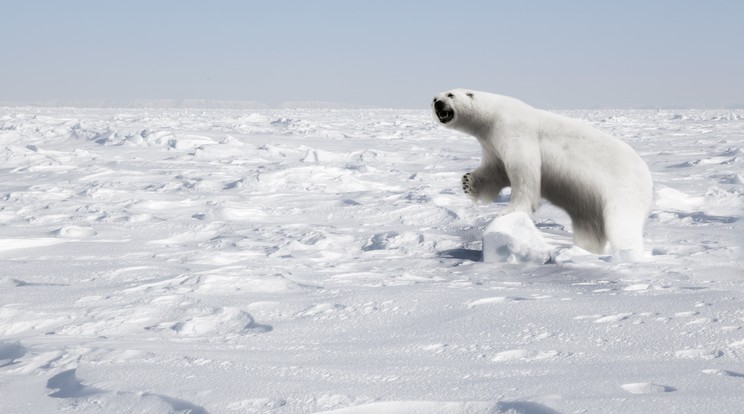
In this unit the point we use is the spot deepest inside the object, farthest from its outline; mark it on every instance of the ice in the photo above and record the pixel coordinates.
(513, 238)
(323, 259)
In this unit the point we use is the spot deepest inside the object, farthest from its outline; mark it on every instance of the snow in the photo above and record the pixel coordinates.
(324, 260)
(513, 238)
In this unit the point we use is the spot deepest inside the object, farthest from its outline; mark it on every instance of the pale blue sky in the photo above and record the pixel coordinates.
(556, 54)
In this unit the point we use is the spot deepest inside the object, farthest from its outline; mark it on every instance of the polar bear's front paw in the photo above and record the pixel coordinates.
(468, 186)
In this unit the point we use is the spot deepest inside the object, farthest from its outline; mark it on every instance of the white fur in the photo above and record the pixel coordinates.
(599, 180)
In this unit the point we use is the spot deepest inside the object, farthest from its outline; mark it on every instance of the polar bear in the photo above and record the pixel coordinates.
(599, 180)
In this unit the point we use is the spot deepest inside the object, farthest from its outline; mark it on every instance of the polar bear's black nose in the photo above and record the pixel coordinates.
(438, 105)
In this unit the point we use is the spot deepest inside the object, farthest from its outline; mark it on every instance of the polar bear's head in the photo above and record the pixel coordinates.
(457, 109)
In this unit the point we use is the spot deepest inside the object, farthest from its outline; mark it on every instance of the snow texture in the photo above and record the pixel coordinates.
(326, 260)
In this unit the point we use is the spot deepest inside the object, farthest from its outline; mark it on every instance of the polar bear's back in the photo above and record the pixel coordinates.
(591, 155)
(573, 153)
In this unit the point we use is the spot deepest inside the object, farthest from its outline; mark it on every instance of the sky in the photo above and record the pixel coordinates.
(554, 54)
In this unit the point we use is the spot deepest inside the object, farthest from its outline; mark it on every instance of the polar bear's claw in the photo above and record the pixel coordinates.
(468, 185)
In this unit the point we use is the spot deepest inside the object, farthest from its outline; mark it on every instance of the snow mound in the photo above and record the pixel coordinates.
(219, 321)
(514, 355)
(716, 204)
(513, 238)
(441, 407)
(646, 388)
(75, 232)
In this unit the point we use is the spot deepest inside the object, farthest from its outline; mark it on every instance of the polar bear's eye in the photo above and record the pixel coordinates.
(470, 94)
(449, 95)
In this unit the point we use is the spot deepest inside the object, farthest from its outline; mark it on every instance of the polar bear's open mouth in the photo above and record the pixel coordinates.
(445, 114)
(443, 110)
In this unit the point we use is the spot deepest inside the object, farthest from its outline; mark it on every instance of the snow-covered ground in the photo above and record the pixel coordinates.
(298, 261)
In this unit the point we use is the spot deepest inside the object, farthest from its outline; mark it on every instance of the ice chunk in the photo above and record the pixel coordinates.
(513, 238)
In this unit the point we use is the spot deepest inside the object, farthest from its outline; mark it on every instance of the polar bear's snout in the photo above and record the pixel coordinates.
(443, 111)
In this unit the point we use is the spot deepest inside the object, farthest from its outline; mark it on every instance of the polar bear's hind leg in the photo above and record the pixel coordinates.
(590, 234)
(586, 208)
(625, 232)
